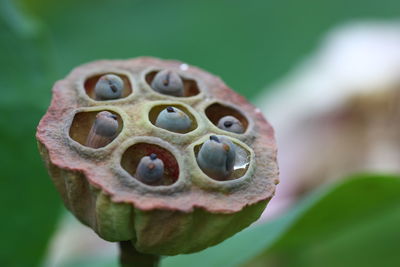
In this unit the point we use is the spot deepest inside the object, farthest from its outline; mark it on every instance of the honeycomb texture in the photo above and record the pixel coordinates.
(189, 211)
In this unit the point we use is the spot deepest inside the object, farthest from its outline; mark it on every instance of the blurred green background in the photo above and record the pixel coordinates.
(248, 43)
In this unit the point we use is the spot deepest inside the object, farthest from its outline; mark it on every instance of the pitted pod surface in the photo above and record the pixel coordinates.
(143, 149)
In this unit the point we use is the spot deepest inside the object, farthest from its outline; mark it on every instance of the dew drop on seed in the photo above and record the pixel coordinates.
(242, 159)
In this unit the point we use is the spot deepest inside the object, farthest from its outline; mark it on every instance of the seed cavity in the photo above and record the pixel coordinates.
(230, 124)
(184, 87)
(168, 82)
(109, 87)
(103, 131)
(150, 169)
(150, 164)
(216, 157)
(227, 118)
(174, 120)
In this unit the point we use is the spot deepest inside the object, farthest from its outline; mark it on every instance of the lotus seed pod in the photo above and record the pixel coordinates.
(190, 202)
(217, 157)
(150, 169)
(103, 130)
(230, 124)
(174, 119)
(168, 82)
(109, 87)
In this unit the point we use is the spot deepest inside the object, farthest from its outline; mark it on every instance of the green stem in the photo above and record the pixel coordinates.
(130, 257)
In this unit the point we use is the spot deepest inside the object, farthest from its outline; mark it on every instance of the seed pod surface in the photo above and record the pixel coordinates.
(153, 186)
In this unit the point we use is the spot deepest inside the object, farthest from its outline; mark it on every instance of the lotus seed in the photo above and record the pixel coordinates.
(174, 120)
(168, 82)
(109, 87)
(230, 124)
(103, 131)
(150, 169)
(217, 157)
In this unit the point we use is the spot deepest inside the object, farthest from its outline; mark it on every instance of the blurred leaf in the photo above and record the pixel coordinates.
(29, 203)
(248, 43)
(356, 224)
(27, 71)
(335, 226)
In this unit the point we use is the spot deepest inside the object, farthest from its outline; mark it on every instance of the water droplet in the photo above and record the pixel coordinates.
(242, 158)
(184, 67)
